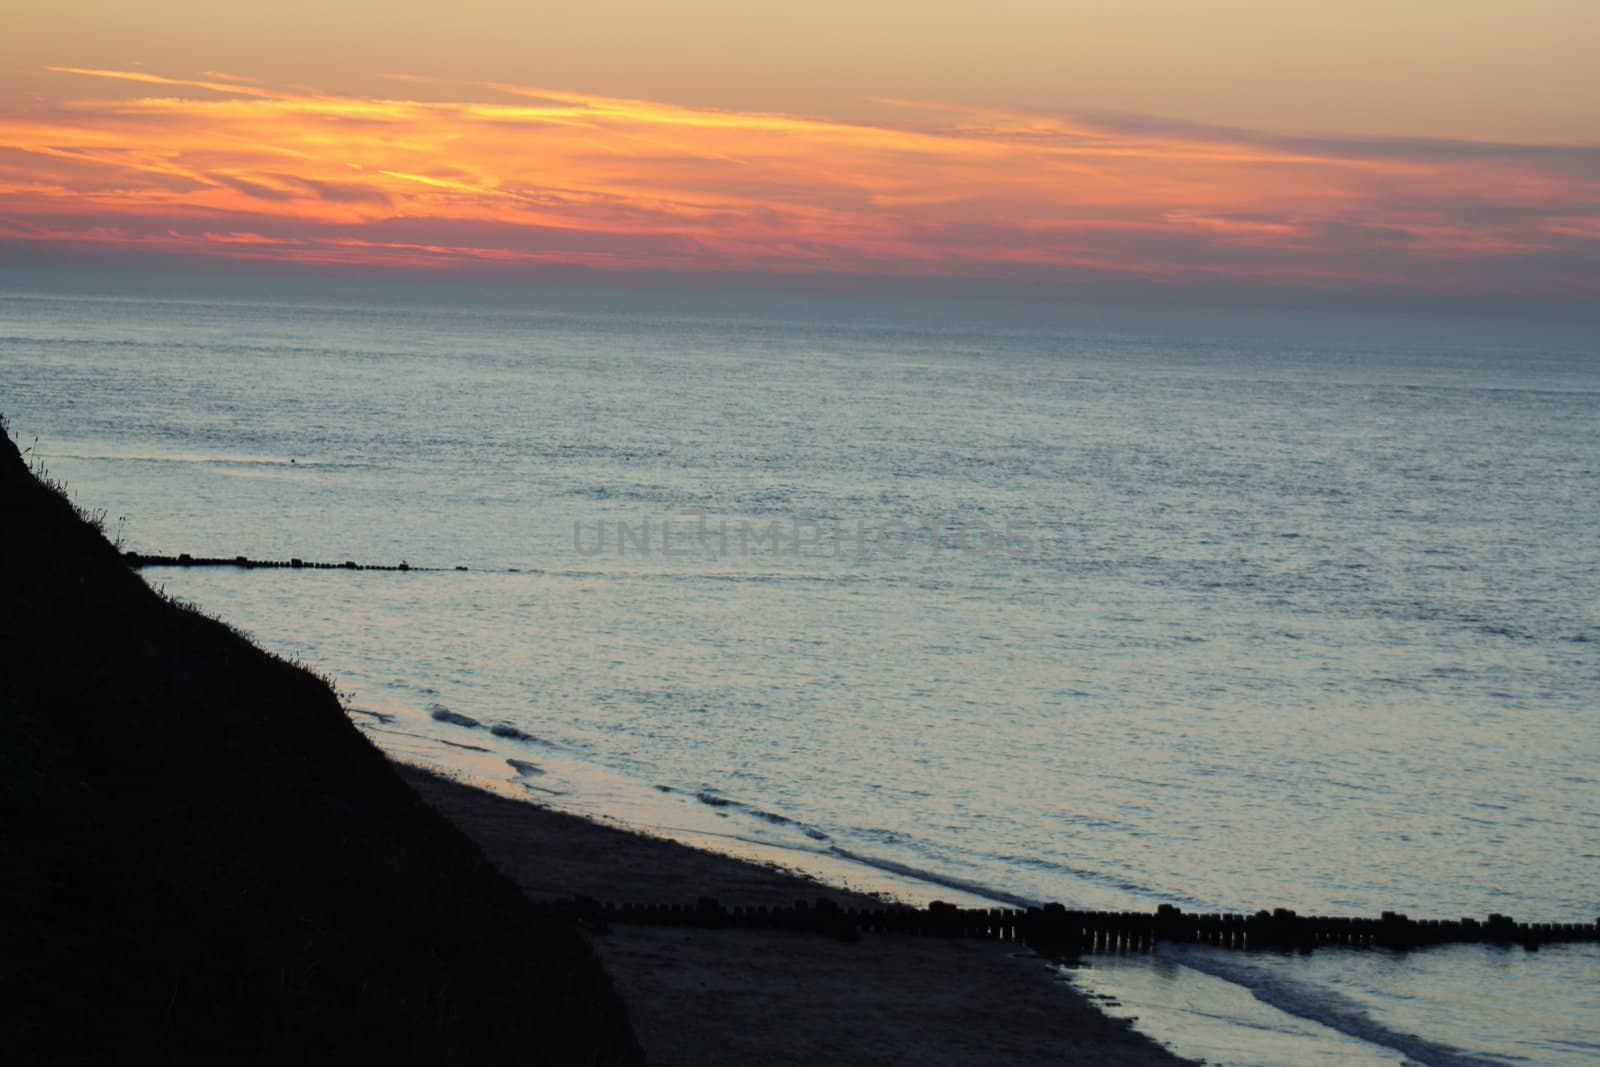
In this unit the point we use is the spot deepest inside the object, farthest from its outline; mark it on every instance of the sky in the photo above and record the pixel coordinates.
(1419, 151)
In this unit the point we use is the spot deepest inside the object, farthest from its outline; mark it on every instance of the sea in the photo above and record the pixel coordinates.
(970, 600)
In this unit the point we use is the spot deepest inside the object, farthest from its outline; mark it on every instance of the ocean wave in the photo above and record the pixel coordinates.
(1327, 1007)
(441, 713)
(961, 885)
(712, 799)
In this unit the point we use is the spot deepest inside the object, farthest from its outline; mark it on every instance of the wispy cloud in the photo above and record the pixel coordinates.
(503, 174)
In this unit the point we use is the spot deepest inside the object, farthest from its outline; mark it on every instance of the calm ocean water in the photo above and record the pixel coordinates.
(1109, 606)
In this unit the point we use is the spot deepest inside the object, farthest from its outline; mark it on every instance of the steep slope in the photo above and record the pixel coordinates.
(202, 859)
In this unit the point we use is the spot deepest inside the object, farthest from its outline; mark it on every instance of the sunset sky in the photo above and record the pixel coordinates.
(1361, 147)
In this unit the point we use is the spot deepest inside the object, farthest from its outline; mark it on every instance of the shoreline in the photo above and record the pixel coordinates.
(740, 996)
(280, 889)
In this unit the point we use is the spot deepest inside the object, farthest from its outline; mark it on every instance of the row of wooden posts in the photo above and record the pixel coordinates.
(137, 560)
(1054, 927)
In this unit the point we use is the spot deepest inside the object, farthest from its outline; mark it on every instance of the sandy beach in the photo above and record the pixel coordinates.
(739, 997)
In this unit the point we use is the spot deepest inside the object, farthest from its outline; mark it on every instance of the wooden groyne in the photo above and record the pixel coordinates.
(1055, 928)
(138, 560)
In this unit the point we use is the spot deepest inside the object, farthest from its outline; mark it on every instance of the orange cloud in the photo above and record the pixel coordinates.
(509, 174)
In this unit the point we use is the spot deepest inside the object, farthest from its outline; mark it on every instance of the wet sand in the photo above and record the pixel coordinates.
(710, 997)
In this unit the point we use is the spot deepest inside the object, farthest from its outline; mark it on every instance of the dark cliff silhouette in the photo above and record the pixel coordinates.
(201, 859)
